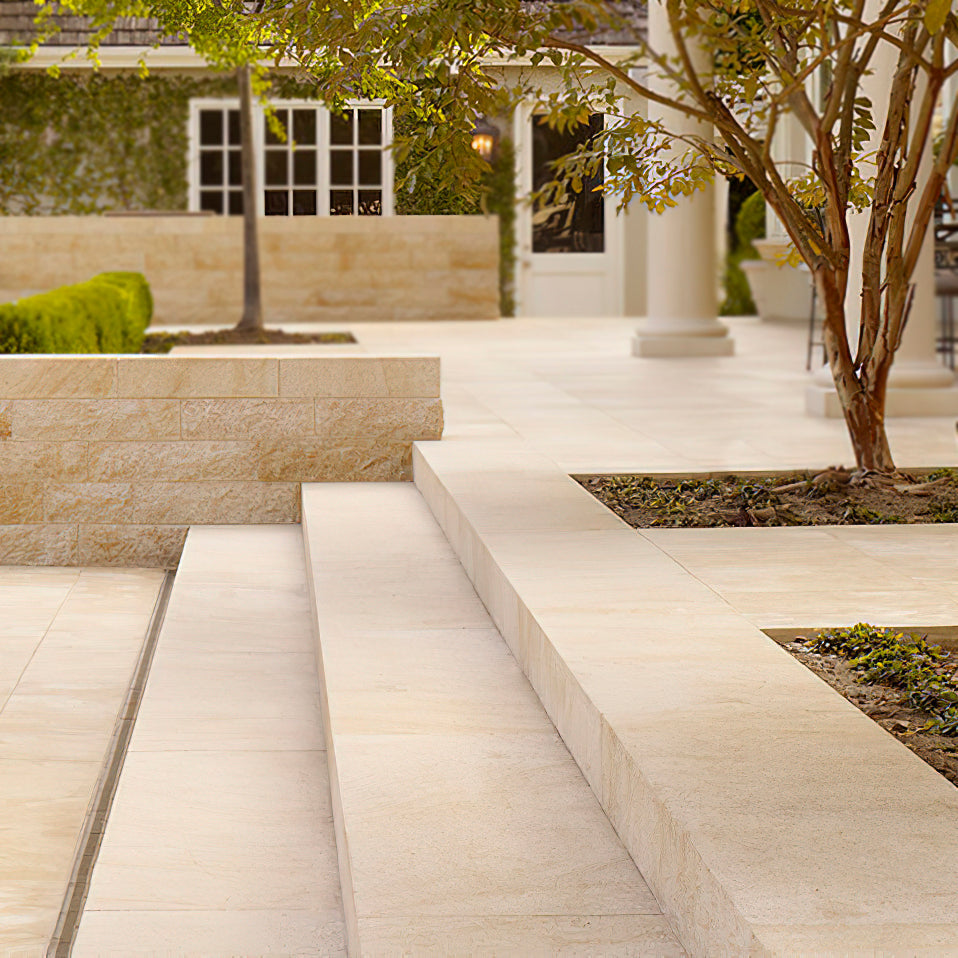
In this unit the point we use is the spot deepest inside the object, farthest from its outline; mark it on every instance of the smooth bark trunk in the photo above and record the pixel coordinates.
(252, 299)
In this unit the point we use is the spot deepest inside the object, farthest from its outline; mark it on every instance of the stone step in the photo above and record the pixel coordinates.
(220, 839)
(768, 814)
(463, 824)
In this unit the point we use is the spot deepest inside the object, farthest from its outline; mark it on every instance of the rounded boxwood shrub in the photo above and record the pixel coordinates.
(106, 314)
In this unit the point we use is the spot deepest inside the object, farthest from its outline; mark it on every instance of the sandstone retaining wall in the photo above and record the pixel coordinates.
(108, 460)
(324, 269)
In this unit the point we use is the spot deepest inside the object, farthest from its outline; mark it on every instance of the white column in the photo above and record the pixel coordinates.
(682, 263)
(918, 384)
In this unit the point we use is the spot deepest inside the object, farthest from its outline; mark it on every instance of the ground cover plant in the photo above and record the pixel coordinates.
(833, 497)
(902, 681)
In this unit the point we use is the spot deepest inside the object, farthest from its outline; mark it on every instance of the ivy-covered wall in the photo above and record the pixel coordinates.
(74, 145)
(95, 143)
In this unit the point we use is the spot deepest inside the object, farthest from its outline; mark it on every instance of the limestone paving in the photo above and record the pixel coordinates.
(220, 839)
(768, 814)
(69, 643)
(463, 823)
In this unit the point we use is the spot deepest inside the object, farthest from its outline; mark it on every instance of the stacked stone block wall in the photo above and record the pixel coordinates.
(336, 269)
(108, 460)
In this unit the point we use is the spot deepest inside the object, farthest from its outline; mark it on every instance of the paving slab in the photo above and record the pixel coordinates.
(768, 814)
(69, 645)
(220, 839)
(464, 825)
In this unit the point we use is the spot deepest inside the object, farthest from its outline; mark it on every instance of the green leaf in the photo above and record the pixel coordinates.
(936, 13)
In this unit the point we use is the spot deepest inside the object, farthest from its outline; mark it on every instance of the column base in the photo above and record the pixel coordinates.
(658, 338)
(822, 401)
(658, 347)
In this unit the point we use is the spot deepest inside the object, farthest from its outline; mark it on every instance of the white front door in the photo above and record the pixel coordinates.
(569, 258)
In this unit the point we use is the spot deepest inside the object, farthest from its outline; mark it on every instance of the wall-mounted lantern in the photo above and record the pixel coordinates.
(485, 139)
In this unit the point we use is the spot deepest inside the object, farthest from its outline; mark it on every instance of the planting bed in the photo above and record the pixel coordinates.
(887, 702)
(164, 342)
(833, 497)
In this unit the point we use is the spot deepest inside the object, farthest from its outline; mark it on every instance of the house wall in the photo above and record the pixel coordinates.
(325, 269)
(107, 460)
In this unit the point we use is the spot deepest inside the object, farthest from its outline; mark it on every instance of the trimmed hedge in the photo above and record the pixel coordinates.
(106, 314)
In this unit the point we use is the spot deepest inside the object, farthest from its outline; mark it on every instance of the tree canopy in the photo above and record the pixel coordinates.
(739, 67)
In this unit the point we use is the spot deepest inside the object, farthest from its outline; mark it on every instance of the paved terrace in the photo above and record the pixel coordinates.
(764, 814)
(571, 389)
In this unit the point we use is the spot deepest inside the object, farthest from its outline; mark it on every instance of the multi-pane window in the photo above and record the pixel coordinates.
(356, 163)
(310, 162)
(220, 161)
(291, 163)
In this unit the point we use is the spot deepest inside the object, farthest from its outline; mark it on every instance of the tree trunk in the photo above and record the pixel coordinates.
(865, 420)
(862, 391)
(252, 302)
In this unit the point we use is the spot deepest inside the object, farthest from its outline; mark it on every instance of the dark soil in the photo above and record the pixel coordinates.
(164, 342)
(833, 497)
(885, 706)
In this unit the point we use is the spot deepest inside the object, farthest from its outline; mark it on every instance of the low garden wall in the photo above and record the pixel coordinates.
(107, 460)
(324, 269)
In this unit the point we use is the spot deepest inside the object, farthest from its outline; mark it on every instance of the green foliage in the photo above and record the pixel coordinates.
(420, 196)
(106, 314)
(749, 226)
(750, 222)
(500, 198)
(88, 144)
(905, 662)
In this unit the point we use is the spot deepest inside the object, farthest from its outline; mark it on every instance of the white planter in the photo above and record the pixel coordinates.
(782, 293)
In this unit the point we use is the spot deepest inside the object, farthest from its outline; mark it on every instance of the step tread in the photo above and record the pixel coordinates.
(220, 839)
(466, 823)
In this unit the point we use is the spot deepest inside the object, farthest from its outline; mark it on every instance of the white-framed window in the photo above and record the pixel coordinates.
(326, 165)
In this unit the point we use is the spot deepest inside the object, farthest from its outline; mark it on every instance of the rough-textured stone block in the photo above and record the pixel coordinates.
(91, 419)
(246, 418)
(316, 460)
(194, 265)
(413, 377)
(32, 461)
(386, 419)
(57, 377)
(214, 503)
(21, 502)
(196, 377)
(130, 546)
(38, 545)
(88, 502)
(360, 377)
(186, 460)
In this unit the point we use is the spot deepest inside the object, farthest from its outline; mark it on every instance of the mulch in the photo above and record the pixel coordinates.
(834, 496)
(164, 342)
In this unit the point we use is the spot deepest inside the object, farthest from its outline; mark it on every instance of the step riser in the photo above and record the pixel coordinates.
(342, 843)
(626, 799)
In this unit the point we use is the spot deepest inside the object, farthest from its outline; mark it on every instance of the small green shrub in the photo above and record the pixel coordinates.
(106, 314)
(750, 223)
(749, 226)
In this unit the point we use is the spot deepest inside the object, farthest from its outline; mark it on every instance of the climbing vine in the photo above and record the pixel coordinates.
(97, 143)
